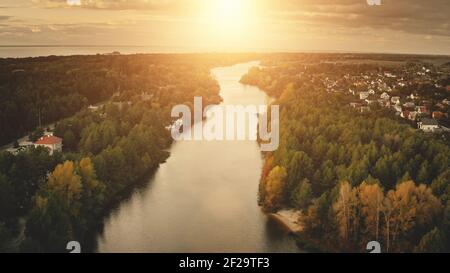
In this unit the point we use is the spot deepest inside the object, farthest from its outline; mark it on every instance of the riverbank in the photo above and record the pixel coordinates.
(289, 220)
(186, 207)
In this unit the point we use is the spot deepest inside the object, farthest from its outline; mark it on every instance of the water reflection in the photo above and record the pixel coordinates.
(204, 198)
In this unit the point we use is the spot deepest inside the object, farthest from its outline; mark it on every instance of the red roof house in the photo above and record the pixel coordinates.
(53, 143)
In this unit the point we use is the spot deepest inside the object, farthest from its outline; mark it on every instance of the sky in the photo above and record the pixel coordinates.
(397, 26)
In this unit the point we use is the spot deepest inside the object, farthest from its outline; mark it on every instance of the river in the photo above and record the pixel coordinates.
(204, 198)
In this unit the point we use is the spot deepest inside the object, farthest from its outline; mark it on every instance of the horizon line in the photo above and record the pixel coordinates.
(248, 51)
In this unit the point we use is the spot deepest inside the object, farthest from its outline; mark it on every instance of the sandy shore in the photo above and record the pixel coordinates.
(290, 220)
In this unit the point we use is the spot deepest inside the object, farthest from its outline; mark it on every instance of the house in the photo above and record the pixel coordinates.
(395, 100)
(441, 105)
(438, 115)
(371, 99)
(121, 104)
(53, 143)
(384, 103)
(93, 108)
(363, 95)
(413, 97)
(385, 96)
(23, 146)
(428, 125)
(413, 115)
(409, 105)
(405, 114)
(423, 110)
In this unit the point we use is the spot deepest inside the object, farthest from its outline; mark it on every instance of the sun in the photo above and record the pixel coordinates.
(230, 23)
(230, 10)
(231, 13)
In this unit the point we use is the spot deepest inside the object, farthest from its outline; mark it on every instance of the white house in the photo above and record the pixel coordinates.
(428, 125)
(93, 108)
(363, 95)
(54, 144)
(385, 96)
(409, 105)
(395, 100)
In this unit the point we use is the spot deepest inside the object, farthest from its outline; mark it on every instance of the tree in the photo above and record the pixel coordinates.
(5, 237)
(68, 205)
(409, 207)
(428, 206)
(302, 195)
(70, 141)
(48, 224)
(370, 200)
(65, 183)
(299, 167)
(388, 210)
(345, 209)
(36, 134)
(274, 188)
(92, 198)
(8, 205)
(404, 209)
(423, 174)
(434, 242)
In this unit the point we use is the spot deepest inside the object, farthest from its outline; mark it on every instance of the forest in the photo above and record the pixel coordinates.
(49, 200)
(356, 177)
(39, 91)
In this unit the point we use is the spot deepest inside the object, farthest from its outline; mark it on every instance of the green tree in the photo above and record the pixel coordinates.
(434, 242)
(299, 167)
(302, 195)
(69, 140)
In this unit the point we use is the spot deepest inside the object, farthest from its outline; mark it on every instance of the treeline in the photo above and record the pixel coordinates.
(47, 201)
(46, 89)
(65, 197)
(353, 174)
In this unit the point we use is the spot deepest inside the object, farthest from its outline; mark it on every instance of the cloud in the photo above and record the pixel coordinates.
(4, 17)
(112, 4)
(428, 17)
(412, 16)
(336, 24)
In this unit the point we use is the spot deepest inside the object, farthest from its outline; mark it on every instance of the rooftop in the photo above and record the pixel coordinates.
(48, 140)
(429, 121)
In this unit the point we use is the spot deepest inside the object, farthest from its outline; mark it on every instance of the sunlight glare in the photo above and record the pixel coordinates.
(230, 12)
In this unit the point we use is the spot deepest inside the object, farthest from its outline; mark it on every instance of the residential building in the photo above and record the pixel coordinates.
(385, 96)
(53, 143)
(395, 100)
(363, 95)
(428, 125)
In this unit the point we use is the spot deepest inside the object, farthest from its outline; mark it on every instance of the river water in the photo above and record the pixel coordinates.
(204, 198)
